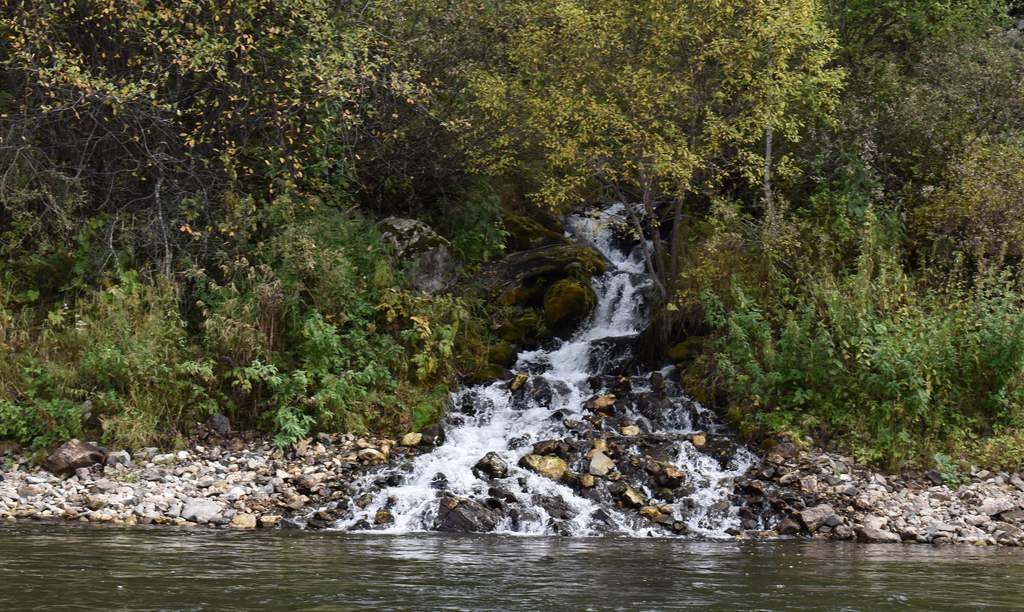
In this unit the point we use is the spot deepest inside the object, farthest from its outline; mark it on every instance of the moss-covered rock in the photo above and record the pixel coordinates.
(502, 353)
(489, 373)
(521, 295)
(521, 327)
(527, 233)
(686, 351)
(567, 303)
(539, 266)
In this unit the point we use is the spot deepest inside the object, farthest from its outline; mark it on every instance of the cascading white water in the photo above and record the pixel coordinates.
(509, 429)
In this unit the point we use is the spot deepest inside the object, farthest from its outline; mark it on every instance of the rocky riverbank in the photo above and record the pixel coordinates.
(235, 482)
(248, 483)
(828, 496)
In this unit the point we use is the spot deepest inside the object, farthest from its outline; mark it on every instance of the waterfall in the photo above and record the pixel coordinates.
(492, 418)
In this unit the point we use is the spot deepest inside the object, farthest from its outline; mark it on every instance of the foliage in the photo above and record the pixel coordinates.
(649, 100)
(901, 370)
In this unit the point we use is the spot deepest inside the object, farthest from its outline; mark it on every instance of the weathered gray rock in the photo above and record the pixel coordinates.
(992, 506)
(119, 458)
(202, 511)
(431, 263)
(816, 516)
(880, 536)
(72, 455)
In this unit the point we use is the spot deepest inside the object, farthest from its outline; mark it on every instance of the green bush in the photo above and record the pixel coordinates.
(886, 367)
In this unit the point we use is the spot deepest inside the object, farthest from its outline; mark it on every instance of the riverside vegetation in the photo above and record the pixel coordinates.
(323, 217)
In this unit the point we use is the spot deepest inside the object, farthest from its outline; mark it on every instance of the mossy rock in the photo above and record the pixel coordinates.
(489, 373)
(521, 295)
(520, 328)
(528, 233)
(567, 303)
(538, 267)
(503, 354)
(683, 353)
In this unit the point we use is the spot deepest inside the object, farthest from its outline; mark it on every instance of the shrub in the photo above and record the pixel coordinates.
(889, 368)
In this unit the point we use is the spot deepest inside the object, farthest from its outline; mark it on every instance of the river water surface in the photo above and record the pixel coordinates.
(69, 567)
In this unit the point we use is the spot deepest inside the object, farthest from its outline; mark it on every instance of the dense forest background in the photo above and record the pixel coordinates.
(190, 192)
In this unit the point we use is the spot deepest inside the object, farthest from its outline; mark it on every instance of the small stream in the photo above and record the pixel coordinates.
(551, 408)
(69, 567)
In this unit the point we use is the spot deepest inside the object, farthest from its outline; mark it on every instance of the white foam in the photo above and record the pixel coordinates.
(619, 312)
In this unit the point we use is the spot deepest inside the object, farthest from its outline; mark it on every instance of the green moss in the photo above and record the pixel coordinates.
(527, 233)
(519, 328)
(568, 302)
(503, 353)
(686, 351)
(488, 373)
(519, 295)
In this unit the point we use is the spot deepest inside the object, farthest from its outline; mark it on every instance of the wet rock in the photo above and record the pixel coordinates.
(630, 497)
(518, 382)
(382, 517)
(612, 356)
(462, 515)
(560, 448)
(270, 520)
(788, 526)
(492, 465)
(546, 465)
(432, 435)
(630, 430)
(72, 455)
(555, 506)
(537, 391)
(601, 464)
(699, 439)
(600, 403)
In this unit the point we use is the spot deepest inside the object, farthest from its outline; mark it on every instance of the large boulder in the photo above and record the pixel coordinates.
(432, 266)
(72, 455)
(462, 515)
(551, 262)
(567, 303)
(528, 233)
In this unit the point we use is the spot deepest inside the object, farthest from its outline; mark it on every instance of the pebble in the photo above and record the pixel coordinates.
(243, 485)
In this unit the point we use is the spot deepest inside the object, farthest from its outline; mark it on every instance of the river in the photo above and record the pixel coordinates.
(72, 567)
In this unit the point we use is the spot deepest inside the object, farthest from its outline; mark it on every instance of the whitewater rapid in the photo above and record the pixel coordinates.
(501, 425)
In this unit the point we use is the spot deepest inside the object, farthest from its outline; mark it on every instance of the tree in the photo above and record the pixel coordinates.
(651, 101)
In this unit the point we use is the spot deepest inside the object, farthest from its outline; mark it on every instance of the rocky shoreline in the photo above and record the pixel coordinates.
(827, 496)
(248, 483)
(235, 482)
